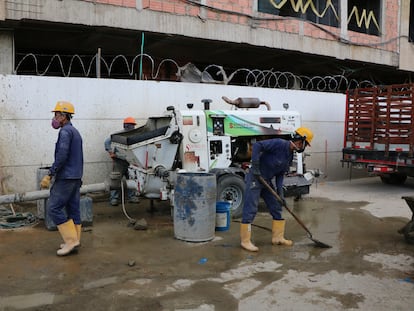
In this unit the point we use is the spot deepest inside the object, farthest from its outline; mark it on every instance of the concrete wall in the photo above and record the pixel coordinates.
(27, 139)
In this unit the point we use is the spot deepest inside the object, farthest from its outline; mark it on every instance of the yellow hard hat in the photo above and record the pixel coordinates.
(306, 134)
(129, 120)
(62, 106)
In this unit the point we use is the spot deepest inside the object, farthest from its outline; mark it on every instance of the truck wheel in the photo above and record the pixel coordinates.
(393, 179)
(231, 188)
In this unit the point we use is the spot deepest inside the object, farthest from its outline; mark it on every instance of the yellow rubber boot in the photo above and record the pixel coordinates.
(69, 234)
(245, 235)
(78, 232)
(278, 232)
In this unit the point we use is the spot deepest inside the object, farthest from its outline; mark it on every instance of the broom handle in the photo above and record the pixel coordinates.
(264, 183)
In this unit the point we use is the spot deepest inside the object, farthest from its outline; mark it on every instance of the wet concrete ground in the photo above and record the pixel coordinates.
(369, 267)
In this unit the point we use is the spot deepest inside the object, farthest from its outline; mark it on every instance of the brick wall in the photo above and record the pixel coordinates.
(243, 12)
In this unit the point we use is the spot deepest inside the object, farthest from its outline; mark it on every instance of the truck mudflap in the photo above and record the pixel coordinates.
(296, 185)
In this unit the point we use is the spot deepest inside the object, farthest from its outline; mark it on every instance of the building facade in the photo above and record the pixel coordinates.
(369, 40)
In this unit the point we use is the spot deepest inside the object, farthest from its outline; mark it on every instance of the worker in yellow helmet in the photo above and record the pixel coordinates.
(120, 165)
(304, 134)
(66, 173)
(270, 159)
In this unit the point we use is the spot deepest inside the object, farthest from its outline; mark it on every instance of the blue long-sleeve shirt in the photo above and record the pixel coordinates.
(107, 144)
(274, 156)
(68, 163)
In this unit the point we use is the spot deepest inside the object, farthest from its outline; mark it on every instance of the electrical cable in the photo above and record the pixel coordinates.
(132, 220)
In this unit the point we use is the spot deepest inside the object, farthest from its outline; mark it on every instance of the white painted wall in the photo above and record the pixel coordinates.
(27, 139)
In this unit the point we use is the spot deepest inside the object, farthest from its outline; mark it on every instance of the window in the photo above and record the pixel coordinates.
(364, 16)
(324, 12)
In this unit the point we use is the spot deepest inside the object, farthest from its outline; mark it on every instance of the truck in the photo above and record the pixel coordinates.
(379, 131)
(207, 140)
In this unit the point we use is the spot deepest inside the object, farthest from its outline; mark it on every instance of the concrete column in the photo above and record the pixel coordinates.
(6, 51)
(2, 10)
(138, 5)
(344, 18)
(203, 12)
(406, 48)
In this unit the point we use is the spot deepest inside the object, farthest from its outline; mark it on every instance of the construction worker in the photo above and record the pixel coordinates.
(66, 172)
(270, 159)
(120, 165)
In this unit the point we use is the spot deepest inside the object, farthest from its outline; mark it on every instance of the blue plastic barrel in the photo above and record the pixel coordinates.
(223, 216)
(195, 206)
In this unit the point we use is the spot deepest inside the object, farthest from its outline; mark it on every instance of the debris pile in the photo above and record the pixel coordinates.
(11, 220)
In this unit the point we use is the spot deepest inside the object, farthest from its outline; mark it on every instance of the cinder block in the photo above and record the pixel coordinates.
(85, 209)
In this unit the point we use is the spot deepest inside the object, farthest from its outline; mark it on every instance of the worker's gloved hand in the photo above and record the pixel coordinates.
(45, 182)
(281, 194)
(255, 168)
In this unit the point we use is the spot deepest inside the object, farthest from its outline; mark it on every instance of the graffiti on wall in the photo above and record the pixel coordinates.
(303, 6)
(363, 18)
(363, 15)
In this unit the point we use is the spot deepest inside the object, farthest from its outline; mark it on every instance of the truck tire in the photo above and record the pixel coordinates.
(393, 179)
(230, 187)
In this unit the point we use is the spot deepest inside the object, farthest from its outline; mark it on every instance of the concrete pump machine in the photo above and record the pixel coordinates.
(209, 140)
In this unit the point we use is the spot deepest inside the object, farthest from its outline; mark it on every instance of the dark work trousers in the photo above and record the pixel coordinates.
(65, 195)
(255, 190)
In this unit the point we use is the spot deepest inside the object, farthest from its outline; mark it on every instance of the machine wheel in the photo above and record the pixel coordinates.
(393, 179)
(231, 187)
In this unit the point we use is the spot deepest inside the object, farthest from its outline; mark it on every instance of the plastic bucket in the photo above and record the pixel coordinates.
(223, 216)
(195, 207)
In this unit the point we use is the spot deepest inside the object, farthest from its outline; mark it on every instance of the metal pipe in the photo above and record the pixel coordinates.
(25, 196)
(94, 188)
(112, 183)
(44, 194)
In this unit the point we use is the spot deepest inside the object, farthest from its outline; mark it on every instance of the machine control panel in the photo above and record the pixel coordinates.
(218, 124)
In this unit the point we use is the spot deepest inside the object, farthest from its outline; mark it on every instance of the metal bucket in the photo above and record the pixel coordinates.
(195, 207)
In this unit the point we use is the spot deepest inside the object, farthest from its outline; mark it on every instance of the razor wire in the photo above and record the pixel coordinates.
(129, 67)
